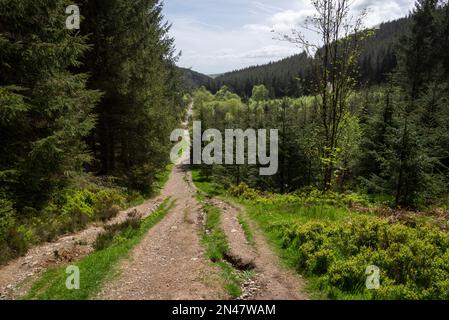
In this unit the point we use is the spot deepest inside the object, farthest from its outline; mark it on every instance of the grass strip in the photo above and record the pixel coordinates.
(217, 247)
(246, 229)
(214, 238)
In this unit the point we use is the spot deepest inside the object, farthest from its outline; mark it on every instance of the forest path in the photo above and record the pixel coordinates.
(272, 281)
(169, 263)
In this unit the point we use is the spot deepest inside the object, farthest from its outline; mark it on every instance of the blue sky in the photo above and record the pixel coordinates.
(219, 36)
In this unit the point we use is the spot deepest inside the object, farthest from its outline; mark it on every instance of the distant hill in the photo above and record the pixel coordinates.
(192, 79)
(288, 77)
(214, 76)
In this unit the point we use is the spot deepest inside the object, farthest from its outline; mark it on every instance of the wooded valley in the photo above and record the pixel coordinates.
(363, 178)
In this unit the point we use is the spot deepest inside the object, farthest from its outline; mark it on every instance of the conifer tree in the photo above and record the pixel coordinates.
(411, 159)
(45, 108)
(132, 62)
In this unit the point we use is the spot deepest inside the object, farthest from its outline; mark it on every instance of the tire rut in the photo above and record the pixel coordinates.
(272, 281)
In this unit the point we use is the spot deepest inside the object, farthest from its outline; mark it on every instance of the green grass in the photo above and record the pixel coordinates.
(318, 236)
(270, 216)
(95, 268)
(136, 199)
(214, 239)
(267, 214)
(161, 179)
(206, 186)
(246, 229)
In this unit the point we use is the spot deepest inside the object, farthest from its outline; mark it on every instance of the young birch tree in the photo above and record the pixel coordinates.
(334, 38)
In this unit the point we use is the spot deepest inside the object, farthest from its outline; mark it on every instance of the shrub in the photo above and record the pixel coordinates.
(107, 204)
(67, 213)
(79, 208)
(306, 197)
(13, 241)
(7, 219)
(413, 260)
(244, 191)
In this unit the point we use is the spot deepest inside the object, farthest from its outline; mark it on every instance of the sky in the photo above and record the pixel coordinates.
(216, 36)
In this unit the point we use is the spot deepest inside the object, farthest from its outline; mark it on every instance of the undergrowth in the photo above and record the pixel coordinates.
(322, 237)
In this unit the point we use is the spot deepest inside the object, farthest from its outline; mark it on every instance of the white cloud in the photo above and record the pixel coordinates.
(226, 41)
(265, 7)
(270, 52)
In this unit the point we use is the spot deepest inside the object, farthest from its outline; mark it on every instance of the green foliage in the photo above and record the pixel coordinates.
(13, 241)
(143, 104)
(260, 93)
(303, 197)
(410, 259)
(389, 142)
(404, 152)
(88, 205)
(70, 213)
(117, 233)
(333, 249)
(45, 109)
(61, 115)
(243, 191)
(205, 185)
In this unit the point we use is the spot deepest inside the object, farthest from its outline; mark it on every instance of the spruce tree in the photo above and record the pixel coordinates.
(411, 160)
(45, 107)
(132, 62)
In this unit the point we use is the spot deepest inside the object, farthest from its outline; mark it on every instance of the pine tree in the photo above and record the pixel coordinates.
(45, 108)
(132, 62)
(410, 162)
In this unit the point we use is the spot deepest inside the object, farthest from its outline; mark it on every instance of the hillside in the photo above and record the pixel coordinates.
(282, 77)
(192, 80)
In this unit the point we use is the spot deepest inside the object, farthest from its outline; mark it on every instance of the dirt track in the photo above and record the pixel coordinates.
(272, 281)
(17, 276)
(169, 263)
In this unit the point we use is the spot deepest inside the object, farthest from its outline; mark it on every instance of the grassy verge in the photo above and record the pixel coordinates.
(334, 247)
(217, 248)
(208, 187)
(96, 267)
(273, 218)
